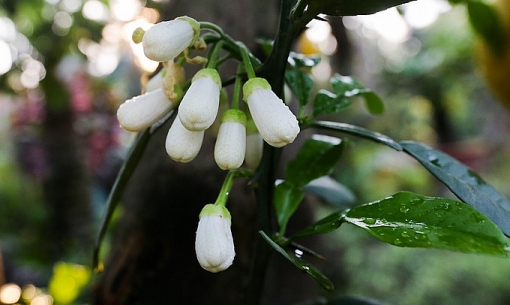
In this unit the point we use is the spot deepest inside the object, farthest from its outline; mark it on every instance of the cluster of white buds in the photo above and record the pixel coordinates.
(240, 135)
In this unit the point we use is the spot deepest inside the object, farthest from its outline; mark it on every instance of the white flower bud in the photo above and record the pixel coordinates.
(224, 106)
(277, 125)
(231, 142)
(167, 39)
(200, 104)
(181, 144)
(142, 111)
(254, 145)
(254, 148)
(214, 244)
(155, 82)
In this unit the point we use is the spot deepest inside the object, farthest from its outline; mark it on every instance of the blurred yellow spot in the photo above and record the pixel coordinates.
(67, 282)
(306, 46)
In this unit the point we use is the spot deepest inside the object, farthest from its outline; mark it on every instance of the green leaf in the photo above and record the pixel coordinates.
(374, 103)
(410, 220)
(300, 264)
(302, 61)
(266, 45)
(351, 7)
(327, 102)
(463, 182)
(287, 198)
(134, 155)
(331, 191)
(487, 23)
(316, 158)
(357, 131)
(300, 83)
(325, 225)
(347, 86)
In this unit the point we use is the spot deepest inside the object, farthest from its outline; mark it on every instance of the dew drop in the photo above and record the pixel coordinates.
(397, 241)
(369, 221)
(404, 209)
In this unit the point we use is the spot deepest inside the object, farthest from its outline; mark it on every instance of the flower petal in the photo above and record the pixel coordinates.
(277, 125)
(199, 106)
(167, 39)
(140, 112)
(181, 144)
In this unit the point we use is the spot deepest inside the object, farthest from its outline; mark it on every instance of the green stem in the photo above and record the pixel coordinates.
(274, 71)
(230, 45)
(246, 60)
(237, 88)
(215, 54)
(225, 189)
(227, 184)
(204, 25)
(297, 11)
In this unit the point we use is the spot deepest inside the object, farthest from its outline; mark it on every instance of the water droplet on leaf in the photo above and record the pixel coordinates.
(404, 209)
(369, 221)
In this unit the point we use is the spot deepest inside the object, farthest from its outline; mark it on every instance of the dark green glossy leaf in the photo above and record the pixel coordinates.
(374, 103)
(266, 45)
(301, 264)
(347, 86)
(327, 102)
(411, 220)
(300, 83)
(134, 155)
(463, 182)
(487, 23)
(302, 61)
(287, 198)
(316, 158)
(331, 191)
(325, 225)
(351, 7)
(358, 131)
(302, 250)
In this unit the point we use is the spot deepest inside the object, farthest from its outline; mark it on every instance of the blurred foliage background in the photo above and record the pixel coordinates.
(66, 65)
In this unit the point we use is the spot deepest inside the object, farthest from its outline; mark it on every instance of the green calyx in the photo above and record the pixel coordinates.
(194, 25)
(215, 210)
(254, 84)
(210, 73)
(234, 115)
(179, 93)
